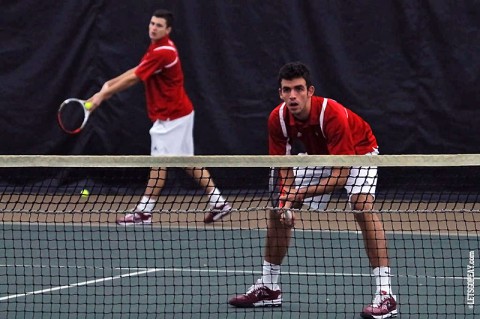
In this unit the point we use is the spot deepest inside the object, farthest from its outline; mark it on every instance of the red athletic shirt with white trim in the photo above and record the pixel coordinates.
(161, 72)
(334, 131)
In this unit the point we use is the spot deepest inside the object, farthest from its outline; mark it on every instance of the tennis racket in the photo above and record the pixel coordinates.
(73, 115)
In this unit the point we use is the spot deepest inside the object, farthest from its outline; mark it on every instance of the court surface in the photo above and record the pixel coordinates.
(186, 270)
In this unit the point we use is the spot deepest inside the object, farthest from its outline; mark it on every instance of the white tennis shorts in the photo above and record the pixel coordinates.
(173, 138)
(305, 176)
(362, 180)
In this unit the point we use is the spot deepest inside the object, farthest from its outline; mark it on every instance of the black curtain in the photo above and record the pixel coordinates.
(410, 68)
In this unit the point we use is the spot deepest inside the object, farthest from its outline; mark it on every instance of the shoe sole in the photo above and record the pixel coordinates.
(265, 303)
(258, 305)
(219, 216)
(269, 303)
(392, 314)
(142, 223)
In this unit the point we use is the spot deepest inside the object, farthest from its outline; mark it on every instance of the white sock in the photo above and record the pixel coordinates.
(382, 279)
(270, 273)
(215, 198)
(146, 205)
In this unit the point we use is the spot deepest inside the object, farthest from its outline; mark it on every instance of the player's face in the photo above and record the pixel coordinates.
(158, 28)
(297, 97)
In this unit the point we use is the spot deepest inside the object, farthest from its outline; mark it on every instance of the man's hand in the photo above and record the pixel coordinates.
(96, 100)
(287, 217)
(100, 96)
(292, 195)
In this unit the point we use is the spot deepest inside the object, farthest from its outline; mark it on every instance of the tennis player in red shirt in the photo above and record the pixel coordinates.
(324, 127)
(172, 114)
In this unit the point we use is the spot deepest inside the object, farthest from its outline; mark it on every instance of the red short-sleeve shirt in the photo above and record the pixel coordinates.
(331, 129)
(161, 71)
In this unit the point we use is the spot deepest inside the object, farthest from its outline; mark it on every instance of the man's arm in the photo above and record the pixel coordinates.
(288, 195)
(115, 80)
(337, 179)
(113, 86)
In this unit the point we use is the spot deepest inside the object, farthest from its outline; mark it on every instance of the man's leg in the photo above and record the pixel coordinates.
(142, 213)
(154, 187)
(219, 207)
(266, 291)
(384, 303)
(155, 183)
(202, 177)
(278, 239)
(372, 230)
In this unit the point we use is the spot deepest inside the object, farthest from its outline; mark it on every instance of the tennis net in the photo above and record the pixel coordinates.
(63, 254)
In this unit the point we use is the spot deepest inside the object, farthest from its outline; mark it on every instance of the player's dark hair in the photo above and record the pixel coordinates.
(294, 70)
(165, 14)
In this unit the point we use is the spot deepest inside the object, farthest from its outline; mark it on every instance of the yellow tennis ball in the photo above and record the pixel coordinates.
(84, 193)
(88, 105)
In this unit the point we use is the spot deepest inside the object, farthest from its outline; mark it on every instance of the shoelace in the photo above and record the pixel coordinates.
(378, 300)
(257, 291)
(252, 288)
(255, 288)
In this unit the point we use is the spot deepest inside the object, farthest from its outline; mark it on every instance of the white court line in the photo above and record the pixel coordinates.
(84, 283)
(143, 271)
(223, 227)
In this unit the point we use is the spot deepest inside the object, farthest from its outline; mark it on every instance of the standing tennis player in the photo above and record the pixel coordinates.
(172, 114)
(323, 126)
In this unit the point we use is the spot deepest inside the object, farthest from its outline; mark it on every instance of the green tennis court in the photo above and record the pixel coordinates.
(54, 271)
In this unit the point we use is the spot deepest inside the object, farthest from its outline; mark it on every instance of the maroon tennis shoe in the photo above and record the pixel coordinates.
(217, 213)
(258, 296)
(135, 218)
(384, 306)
